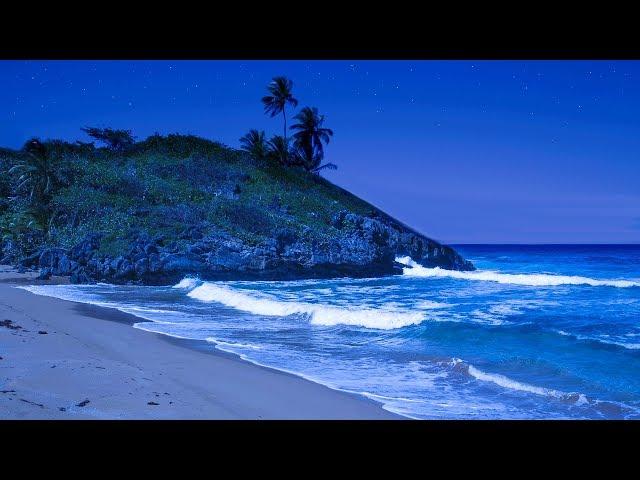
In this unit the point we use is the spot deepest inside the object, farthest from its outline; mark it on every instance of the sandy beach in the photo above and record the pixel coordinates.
(67, 360)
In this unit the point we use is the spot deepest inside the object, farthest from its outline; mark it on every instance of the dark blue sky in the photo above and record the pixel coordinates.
(465, 151)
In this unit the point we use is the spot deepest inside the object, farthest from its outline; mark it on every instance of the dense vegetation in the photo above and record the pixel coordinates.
(55, 192)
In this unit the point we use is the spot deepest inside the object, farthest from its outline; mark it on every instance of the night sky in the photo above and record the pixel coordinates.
(464, 151)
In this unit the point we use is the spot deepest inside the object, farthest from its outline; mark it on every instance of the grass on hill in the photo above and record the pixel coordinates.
(163, 186)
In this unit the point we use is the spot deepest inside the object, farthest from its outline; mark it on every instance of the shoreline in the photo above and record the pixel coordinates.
(55, 351)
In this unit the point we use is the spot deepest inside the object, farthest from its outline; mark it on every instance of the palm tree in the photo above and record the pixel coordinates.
(280, 95)
(279, 149)
(309, 137)
(36, 170)
(255, 144)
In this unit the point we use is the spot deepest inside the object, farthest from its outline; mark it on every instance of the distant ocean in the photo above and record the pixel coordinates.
(537, 332)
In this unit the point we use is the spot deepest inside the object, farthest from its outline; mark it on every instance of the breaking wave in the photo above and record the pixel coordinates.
(262, 304)
(510, 384)
(413, 269)
(586, 338)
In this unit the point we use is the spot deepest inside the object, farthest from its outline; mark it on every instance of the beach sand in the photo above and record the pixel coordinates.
(68, 360)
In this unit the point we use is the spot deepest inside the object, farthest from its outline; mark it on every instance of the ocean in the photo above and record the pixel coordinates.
(537, 332)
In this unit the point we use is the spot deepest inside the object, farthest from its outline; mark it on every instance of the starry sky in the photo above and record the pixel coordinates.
(464, 151)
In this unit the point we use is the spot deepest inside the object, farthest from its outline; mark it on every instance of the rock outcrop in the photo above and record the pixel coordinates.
(361, 247)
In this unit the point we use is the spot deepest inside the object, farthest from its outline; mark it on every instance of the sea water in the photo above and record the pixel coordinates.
(536, 332)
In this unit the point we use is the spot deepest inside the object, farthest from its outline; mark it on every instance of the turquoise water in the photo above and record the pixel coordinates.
(535, 332)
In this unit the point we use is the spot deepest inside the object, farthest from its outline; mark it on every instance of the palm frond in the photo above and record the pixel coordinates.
(330, 166)
(281, 95)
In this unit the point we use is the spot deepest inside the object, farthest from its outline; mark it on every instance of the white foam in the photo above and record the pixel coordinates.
(222, 345)
(431, 305)
(623, 344)
(413, 269)
(260, 304)
(186, 283)
(508, 383)
(628, 346)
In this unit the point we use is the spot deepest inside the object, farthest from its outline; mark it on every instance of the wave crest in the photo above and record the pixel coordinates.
(261, 304)
(510, 384)
(413, 269)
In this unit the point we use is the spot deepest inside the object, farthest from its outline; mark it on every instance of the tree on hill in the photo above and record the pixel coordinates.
(35, 170)
(276, 103)
(279, 149)
(115, 140)
(255, 145)
(309, 138)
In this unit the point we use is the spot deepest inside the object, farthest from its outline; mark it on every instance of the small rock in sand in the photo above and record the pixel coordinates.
(83, 403)
(42, 332)
(152, 403)
(10, 325)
